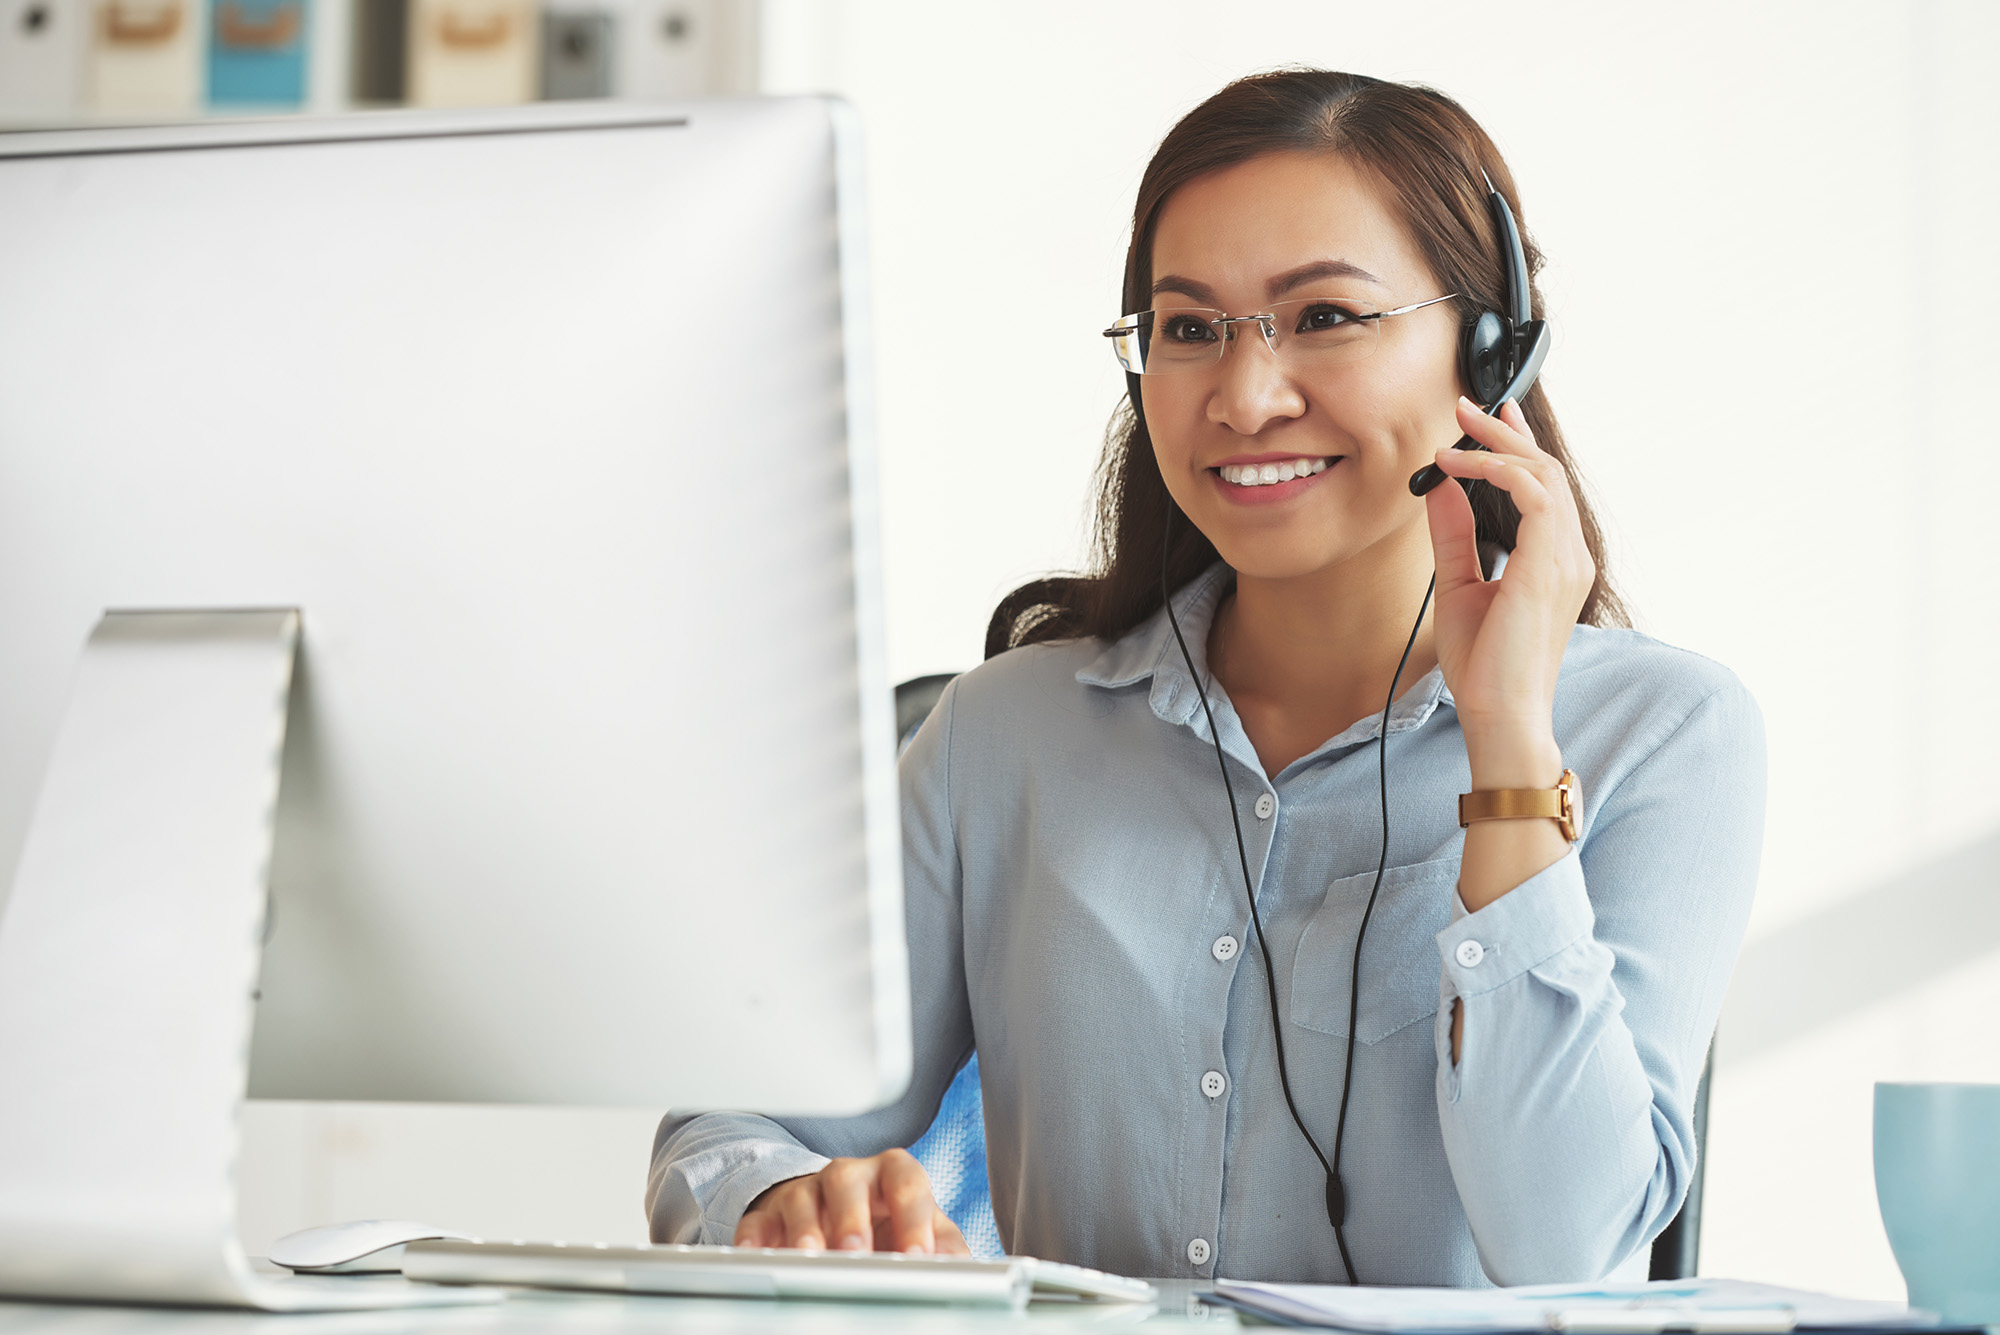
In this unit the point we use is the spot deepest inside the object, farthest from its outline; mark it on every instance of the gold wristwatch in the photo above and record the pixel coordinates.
(1561, 804)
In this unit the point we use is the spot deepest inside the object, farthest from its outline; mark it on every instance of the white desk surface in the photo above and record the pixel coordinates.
(533, 1312)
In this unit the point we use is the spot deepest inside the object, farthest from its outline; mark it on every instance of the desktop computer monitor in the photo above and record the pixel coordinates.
(552, 425)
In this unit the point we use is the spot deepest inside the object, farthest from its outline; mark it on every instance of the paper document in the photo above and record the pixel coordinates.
(1695, 1305)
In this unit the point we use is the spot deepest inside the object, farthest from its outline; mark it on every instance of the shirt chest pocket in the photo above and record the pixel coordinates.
(1399, 960)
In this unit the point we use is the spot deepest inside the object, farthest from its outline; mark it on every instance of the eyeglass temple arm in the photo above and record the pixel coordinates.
(1405, 310)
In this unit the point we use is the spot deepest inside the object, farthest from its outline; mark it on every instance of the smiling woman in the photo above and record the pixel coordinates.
(1423, 158)
(1419, 991)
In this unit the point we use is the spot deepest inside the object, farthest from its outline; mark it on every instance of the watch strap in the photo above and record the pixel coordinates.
(1558, 804)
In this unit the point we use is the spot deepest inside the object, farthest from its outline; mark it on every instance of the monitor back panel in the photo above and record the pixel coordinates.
(549, 422)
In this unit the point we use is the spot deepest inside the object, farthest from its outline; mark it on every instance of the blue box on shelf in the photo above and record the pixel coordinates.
(257, 53)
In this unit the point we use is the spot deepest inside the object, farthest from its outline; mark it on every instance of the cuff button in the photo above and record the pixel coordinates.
(1469, 953)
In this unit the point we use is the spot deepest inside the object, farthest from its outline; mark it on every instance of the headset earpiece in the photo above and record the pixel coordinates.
(1486, 356)
(1499, 355)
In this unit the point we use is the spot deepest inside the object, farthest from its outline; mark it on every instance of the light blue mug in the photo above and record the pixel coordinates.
(1937, 1180)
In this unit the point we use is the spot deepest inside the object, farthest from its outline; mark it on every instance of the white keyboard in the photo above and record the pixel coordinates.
(756, 1272)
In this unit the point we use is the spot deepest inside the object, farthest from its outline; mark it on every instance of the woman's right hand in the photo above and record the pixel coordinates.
(882, 1203)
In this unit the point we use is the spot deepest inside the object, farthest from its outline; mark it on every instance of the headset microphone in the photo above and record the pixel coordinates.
(1500, 355)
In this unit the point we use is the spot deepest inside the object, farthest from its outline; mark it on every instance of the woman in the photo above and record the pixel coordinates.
(1165, 1077)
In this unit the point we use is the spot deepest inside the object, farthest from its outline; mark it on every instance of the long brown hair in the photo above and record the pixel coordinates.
(1430, 153)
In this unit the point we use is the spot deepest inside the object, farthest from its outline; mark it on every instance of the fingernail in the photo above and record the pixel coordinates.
(854, 1242)
(1467, 404)
(916, 1249)
(810, 1242)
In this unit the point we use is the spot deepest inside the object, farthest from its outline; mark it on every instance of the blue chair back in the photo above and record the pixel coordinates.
(953, 1152)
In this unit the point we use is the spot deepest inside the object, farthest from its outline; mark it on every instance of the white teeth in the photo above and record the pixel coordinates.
(1265, 475)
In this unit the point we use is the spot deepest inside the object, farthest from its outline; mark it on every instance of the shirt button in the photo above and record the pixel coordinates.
(1198, 1251)
(1224, 948)
(1266, 804)
(1469, 953)
(1212, 1084)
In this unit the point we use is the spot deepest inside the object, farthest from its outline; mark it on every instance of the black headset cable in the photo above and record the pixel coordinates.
(1336, 1196)
(1354, 974)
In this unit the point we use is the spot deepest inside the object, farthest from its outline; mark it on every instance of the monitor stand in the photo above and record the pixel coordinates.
(129, 954)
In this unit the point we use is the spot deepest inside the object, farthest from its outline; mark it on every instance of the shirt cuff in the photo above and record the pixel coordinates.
(1539, 918)
(776, 1161)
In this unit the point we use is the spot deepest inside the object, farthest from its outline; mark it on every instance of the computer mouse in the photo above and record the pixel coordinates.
(362, 1247)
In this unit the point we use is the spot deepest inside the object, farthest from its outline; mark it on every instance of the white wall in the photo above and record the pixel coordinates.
(1769, 229)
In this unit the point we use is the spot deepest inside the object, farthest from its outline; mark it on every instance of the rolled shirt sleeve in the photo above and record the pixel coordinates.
(1569, 1137)
(708, 1167)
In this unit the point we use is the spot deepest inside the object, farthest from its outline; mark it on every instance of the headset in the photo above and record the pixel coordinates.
(1500, 356)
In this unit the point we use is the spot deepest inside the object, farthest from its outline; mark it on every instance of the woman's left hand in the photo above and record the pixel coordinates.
(1500, 642)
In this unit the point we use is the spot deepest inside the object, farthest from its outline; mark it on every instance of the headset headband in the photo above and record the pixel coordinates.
(1516, 263)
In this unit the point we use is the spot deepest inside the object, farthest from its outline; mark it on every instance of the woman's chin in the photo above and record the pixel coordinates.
(1281, 561)
(1303, 546)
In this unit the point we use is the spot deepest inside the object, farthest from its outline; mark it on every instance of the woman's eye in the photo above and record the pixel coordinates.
(1322, 317)
(1186, 329)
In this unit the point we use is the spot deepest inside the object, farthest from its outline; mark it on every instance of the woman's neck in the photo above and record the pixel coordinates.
(1304, 658)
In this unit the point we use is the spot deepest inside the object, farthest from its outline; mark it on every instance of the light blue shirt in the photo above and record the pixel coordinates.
(1075, 909)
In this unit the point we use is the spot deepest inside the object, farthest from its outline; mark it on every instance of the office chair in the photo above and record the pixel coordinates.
(953, 1151)
(915, 699)
(1678, 1247)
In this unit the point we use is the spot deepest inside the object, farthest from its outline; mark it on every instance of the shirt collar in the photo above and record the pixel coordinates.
(1148, 650)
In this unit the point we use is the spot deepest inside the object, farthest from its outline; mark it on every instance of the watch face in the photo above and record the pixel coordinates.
(1572, 802)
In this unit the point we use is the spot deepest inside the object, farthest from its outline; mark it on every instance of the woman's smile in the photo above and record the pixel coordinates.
(1268, 479)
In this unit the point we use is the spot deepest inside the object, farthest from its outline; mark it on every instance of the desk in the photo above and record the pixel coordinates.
(537, 1312)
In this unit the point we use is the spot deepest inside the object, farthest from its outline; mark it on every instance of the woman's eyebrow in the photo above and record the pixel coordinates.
(1288, 281)
(1187, 287)
(1312, 273)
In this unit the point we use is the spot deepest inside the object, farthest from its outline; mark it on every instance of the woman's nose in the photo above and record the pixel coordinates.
(1253, 386)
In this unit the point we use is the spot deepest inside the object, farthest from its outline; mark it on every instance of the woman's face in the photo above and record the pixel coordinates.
(1277, 229)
